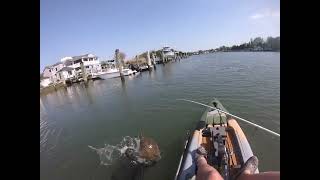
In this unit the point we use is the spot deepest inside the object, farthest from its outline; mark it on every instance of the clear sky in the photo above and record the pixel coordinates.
(75, 27)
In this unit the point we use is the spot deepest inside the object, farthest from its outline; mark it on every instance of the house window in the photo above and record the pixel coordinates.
(56, 69)
(87, 67)
(85, 59)
(77, 61)
(49, 70)
(69, 72)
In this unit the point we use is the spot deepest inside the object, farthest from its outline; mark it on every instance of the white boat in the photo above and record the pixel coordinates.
(144, 68)
(110, 73)
(127, 72)
(168, 52)
(113, 73)
(136, 72)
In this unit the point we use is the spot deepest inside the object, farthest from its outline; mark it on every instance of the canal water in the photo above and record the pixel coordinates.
(82, 128)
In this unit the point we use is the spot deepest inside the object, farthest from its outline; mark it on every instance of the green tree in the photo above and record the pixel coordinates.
(258, 41)
(276, 44)
(269, 42)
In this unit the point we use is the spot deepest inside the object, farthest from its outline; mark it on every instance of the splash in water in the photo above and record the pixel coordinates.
(142, 151)
(110, 153)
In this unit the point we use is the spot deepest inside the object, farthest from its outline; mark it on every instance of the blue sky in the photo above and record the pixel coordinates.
(75, 27)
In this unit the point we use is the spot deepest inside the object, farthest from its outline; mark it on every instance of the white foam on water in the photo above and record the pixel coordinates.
(110, 153)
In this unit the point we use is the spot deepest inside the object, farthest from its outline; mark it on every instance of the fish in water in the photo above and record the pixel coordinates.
(148, 152)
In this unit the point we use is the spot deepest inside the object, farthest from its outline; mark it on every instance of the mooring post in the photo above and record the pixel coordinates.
(162, 57)
(119, 63)
(149, 61)
(153, 60)
(84, 73)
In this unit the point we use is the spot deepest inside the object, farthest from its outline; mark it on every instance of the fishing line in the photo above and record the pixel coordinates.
(256, 125)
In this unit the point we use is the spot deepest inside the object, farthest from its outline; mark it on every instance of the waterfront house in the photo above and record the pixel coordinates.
(51, 72)
(66, 73)
(108, 64)
(90, 62)
(69, 68)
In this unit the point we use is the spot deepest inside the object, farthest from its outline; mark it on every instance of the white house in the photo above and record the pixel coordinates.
(69, 67)
(51, 72)
(90, 62)
(66, 73)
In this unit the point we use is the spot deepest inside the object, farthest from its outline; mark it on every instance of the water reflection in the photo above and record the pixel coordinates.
(42, 107)
(66, 95)
(151, 74)
(60, 96)
(97, 85)
(124, 89)
(88, 93)
(135, 76)
(73, 93)
(167, 71)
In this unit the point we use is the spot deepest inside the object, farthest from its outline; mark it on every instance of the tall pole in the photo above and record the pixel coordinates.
(153, 61)
(162, 56)
(84, 73)
(119, 64)
(149, 60)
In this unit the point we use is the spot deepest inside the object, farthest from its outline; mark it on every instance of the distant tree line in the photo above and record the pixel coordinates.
(256, 44)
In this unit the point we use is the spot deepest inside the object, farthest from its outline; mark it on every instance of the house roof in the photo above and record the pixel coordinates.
(66, 69)
(70, 59)
(65, 58)
(57, 63)
(52, 65)
(83, 56)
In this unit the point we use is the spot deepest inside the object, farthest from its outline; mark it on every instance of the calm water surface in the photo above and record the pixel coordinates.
(71, 119)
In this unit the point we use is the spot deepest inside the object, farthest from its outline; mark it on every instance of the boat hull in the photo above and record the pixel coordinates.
(109, 75)
(115, 73)
(144, 68)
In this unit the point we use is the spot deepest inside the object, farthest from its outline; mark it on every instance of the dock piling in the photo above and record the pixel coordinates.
(149, 61)
(118, 61)
(84, 73)
(153, 61)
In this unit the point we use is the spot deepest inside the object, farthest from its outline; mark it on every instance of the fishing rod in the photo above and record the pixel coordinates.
(256, 125)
